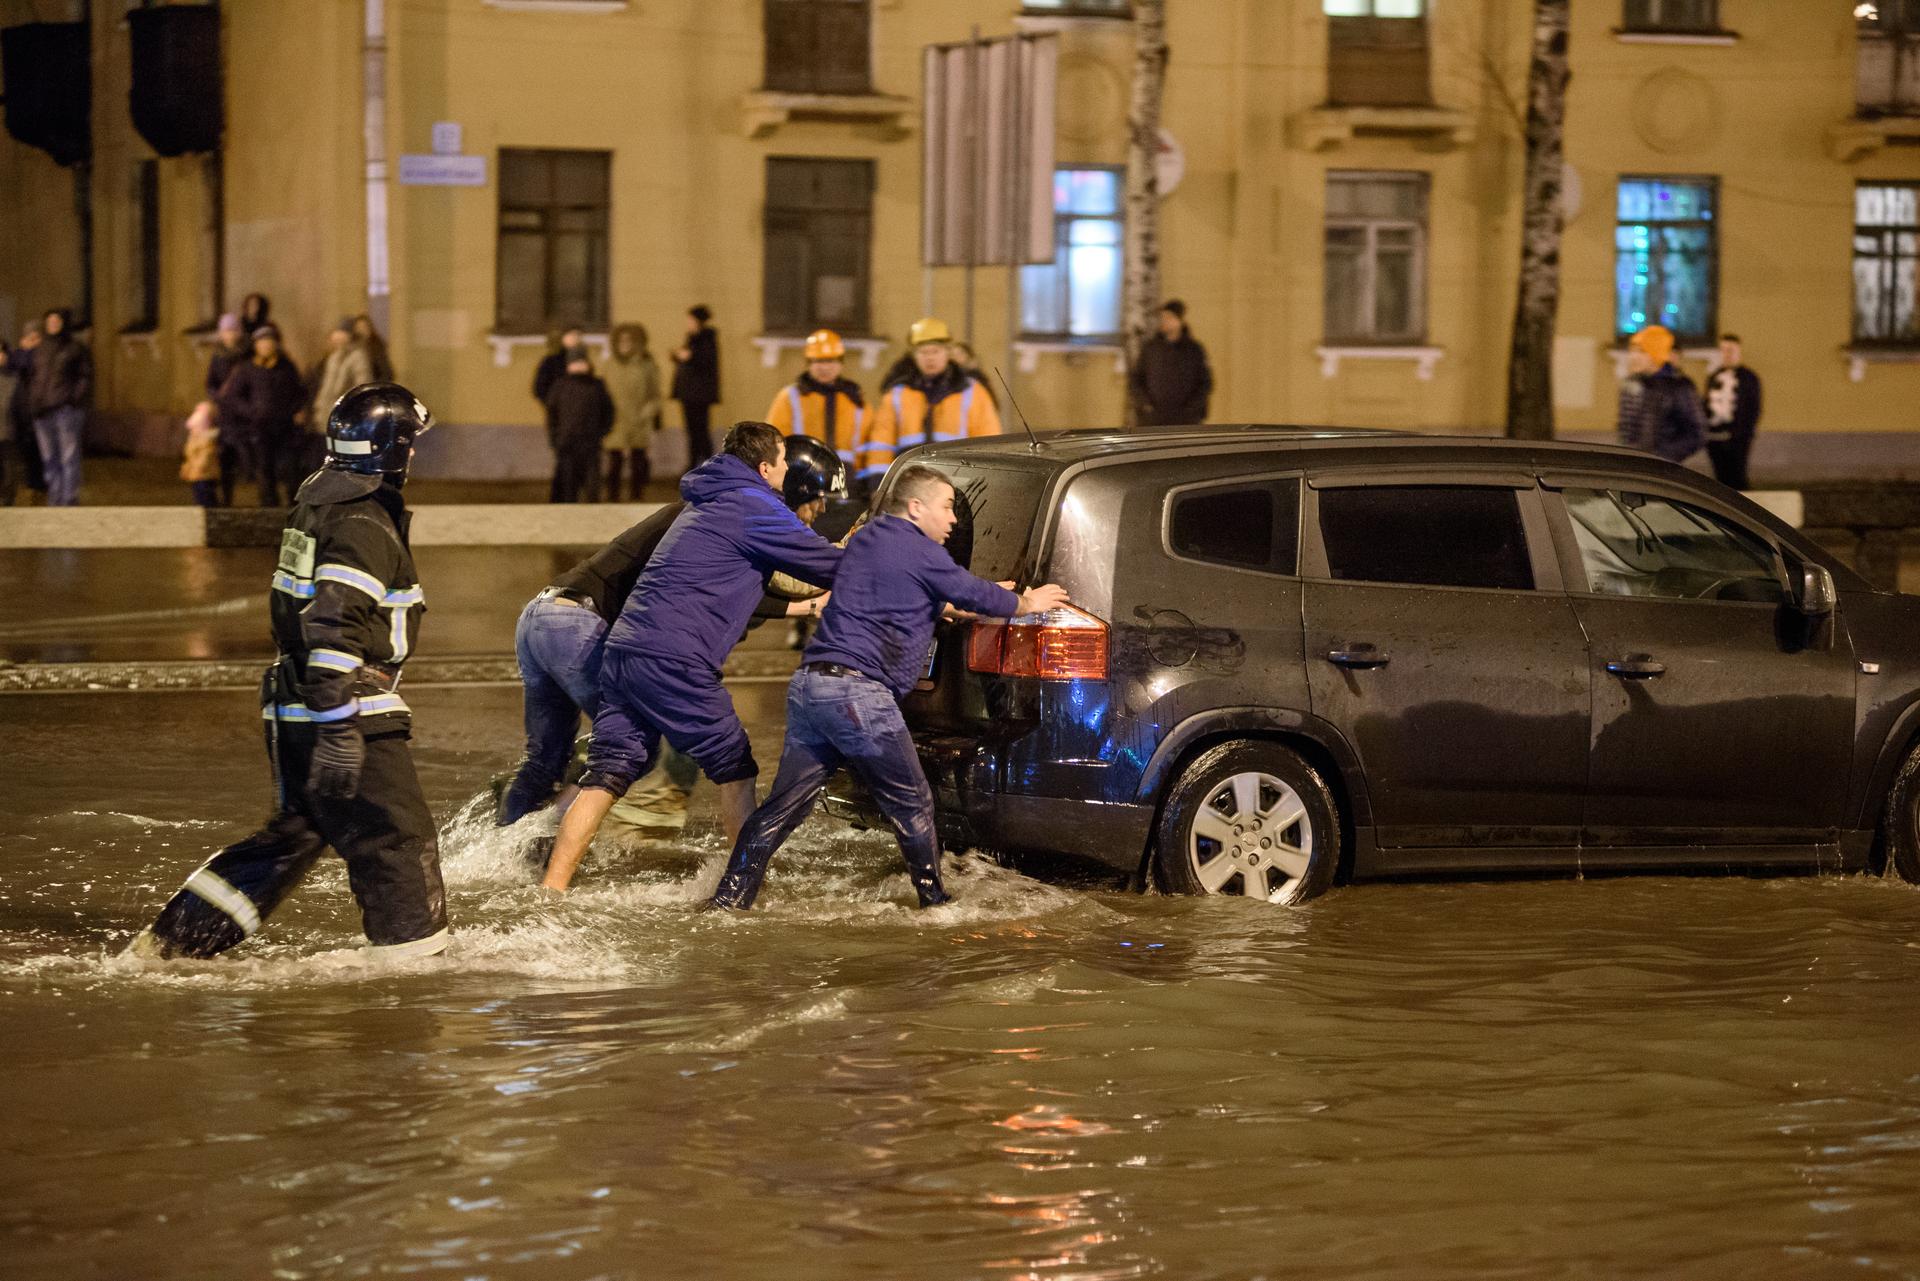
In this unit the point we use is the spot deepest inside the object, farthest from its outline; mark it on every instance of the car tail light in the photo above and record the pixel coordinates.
(1061, 644)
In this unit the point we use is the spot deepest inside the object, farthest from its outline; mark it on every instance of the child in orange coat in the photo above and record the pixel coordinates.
(200, 466)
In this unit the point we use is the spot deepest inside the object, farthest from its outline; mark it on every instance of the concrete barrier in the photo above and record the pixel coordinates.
(434, 525)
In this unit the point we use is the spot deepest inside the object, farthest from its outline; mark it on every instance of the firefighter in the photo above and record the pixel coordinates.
(820, 403)
(345, 608)
(936, 400)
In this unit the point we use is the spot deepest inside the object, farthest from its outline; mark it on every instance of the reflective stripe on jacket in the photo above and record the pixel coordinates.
(801, 406)
(903, 421)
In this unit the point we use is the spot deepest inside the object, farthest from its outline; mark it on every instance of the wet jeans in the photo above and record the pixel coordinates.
(834, 721)
(559, 649)
(58, 434)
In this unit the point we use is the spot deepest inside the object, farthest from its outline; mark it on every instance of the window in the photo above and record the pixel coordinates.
(552, 267)
(818, 46)
(1640, 545)
(819, 228)
(1077, 295)
(1081, 8)
(213, 241)
(1377, 53)
(996, 511)
(1666, 261)
(1430, 536)
(1671, 15)
(142, 298)
(1887, 76)
(1886, 246)
(1251, 526)
(1376, 257)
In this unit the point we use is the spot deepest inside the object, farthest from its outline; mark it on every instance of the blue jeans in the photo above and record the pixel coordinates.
(58, 434)
(834, 721)
(558, 645)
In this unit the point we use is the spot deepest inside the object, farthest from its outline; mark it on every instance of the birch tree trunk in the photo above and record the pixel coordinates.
(1143, 183)
(1530, 364)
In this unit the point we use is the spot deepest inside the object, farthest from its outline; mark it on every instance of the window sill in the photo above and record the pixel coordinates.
(148, 338)
(765, 110)
(1324, 128)
(1858, 358)
(1027, 352)
(1033, 24)
(1424, 358)
(1862, 135)
(504, 344)
(557, 6)
(771, 345)
(1722, 39)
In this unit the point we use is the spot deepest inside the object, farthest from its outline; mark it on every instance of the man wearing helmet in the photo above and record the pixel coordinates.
(820, 403)
(345, 607)
(935, 400)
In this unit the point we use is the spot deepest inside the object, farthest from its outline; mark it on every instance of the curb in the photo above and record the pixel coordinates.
(434, 525)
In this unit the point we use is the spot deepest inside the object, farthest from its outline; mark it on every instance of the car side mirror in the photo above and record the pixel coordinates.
(1810, 589)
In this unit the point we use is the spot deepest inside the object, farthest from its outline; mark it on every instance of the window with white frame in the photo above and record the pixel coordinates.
(1080, 8)
(1676, 16)
(1886, 249)
(1376, 258)
(1077, 295)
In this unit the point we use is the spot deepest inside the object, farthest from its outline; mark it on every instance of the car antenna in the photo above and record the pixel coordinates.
(1033, 441)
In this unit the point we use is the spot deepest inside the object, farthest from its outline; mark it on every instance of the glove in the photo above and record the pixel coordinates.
(338, 755)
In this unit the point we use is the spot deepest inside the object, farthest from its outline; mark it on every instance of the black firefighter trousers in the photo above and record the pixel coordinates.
(384, 832)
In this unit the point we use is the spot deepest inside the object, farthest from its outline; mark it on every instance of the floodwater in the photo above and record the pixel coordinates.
(1651, 1076)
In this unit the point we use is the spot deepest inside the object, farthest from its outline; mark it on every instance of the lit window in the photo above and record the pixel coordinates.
(1375, 287)
(1886, 247)
(1666, 260)
(1081, 8)
(1374, 8)
(1887, 68)
(1077, 295)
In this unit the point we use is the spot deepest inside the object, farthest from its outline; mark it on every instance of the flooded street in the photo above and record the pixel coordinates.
(1645, 1076)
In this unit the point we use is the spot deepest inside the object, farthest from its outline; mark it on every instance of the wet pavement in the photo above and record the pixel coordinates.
(1631, 1077)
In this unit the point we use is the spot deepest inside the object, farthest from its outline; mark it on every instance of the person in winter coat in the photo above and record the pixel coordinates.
(1171, 381)
(582, 414)
(378, 360)
(259, 410)
(660, 671)
(255, 310)
(230, 352)
(200, 461)
(344, 367)
(633, 380)
(552, 367)
(1733, 414)
(820, 403)
(696, 382)
(1659, 406)
(58, 389)
(937, 401)
(21, 460)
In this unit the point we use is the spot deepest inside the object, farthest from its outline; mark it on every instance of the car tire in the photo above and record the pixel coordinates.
(1900, 825)
(1251, 819)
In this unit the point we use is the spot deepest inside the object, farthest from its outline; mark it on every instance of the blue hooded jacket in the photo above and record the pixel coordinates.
(693, 602)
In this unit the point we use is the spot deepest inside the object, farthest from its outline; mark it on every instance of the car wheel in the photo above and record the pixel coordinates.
(1251, 819)
(1900, 826)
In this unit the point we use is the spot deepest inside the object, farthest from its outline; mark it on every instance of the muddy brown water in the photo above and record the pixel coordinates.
(1599, 1078)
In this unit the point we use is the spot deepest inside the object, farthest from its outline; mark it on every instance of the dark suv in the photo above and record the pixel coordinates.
(1300, 655)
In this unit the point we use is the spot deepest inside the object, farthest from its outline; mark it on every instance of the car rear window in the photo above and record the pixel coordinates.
(1251, 526)
(1431, 536)
(998, 510)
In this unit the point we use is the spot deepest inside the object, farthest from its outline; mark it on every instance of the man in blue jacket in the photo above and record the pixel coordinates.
(843, 705)
(660, 670)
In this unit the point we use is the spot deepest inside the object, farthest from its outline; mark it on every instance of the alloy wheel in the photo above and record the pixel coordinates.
(1251, 836)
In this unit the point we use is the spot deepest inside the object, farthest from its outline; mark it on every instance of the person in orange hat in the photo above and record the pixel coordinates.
(820, 403)
(1660, 409)
(935, 401)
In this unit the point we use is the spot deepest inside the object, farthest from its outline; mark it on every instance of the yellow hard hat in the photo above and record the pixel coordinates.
(928, 329)
(824, 344)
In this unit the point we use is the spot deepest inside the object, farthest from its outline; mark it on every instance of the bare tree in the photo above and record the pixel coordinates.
(1143, 182)
(1530, 365)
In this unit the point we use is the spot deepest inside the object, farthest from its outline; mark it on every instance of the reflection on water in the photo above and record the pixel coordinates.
(1701, 1077)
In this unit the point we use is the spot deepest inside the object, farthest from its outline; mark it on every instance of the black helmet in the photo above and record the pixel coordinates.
(813, 471)
(371, 430)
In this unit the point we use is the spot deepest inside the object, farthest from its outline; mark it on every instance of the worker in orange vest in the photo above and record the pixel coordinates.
(936, 400)
(820, 403)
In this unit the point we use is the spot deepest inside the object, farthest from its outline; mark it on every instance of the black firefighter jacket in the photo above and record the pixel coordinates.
(346, 603)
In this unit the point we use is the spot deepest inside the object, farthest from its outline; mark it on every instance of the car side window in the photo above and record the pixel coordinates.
(1645, 545)
(1427, 535)
(1246, 525)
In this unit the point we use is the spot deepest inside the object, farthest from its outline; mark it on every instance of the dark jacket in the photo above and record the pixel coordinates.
(1171, 381)
(62, 375)
(696, 380)
(346, 602)
(1733, 404)
(887, 595)
(1660, 413)
(19, 410)
(551, 369)
(695, 596)
(580, 411)
(262, 399)
(221, 365)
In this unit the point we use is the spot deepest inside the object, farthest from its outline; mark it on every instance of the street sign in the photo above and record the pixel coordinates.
(443, 171)
(446, 138)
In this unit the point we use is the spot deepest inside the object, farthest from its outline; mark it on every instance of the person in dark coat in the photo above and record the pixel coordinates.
(1659, 406)
(1171, 381)
(552, 367)
(581, 412)
(21, 460)
(260, 406)
(696, 383)
(378, 358)
(58, 390)
(228, 355)
(1733, 414)
(255, 310)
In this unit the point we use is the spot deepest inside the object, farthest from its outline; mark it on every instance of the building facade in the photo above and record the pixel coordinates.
(1344, 227)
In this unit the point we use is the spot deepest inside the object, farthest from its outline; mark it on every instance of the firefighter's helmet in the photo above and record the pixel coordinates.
(371, 430)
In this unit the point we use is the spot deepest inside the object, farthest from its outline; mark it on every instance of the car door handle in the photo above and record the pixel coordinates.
(1636, 667)
(1360, 657)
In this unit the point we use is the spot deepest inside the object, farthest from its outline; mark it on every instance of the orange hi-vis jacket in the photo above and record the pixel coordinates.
(960, 408)
(801, 406)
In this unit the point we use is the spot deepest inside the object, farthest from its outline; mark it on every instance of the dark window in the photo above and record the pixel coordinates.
(1253, 526)
(1671, 15)
(552, 265)
(819, 231)
(818, 46)
(1432, 536)
(213, 241)
(1377, 53)
(1641, 545)
(1886, 263)
(997, 510)
(1077, 295)
(143, 265)
(1666, 257)
(1887, 71)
